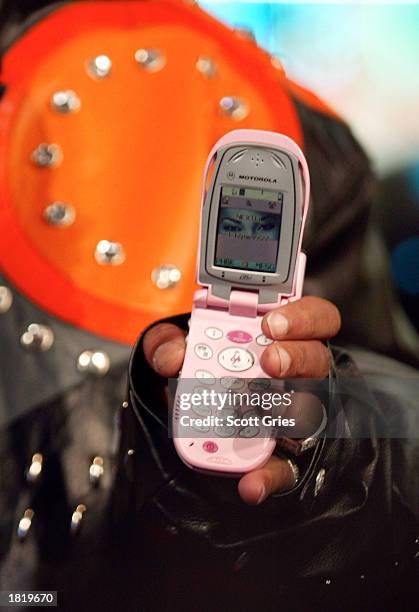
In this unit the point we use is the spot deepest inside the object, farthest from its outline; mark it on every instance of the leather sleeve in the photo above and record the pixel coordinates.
(346, 491)
(346, 260)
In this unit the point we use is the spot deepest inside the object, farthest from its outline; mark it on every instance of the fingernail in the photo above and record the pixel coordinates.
(164, 354)
(283, 358)
(278, 324)
(262, 495)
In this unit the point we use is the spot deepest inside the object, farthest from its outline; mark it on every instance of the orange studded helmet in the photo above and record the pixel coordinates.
(108, 113)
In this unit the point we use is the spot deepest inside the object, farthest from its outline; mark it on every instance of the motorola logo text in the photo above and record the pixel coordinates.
(264, 179)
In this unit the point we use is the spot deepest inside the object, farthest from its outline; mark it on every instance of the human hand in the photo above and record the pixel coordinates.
(298, 330)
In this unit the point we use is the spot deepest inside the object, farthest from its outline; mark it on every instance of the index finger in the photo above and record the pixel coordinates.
(310, 318)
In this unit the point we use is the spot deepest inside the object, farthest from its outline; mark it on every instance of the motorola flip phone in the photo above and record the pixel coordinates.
(254, 205)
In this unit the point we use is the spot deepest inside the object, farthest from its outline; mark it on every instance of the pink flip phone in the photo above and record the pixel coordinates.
(254, 205)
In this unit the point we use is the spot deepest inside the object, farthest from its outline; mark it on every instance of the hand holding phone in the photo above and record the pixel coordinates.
(254, 205)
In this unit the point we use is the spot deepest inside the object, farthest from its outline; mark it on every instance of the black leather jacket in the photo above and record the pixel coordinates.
(157, 536)
(345, 537)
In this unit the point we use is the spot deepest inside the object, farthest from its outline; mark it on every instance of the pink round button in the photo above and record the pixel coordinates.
(210, 447)
(239, 336)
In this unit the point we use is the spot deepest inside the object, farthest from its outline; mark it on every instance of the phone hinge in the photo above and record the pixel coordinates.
(243, 303)
(240, 303)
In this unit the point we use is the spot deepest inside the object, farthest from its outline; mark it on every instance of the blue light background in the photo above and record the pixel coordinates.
(360, 58)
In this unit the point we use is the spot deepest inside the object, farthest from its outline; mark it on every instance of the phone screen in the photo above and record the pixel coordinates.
(248, 228)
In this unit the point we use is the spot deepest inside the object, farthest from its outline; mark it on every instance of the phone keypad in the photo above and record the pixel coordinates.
(239, 337)
(205, 377)
(225, 431)
(249, 432)
(228, 351)
(231, 383)
(202, 411)
(214, 333)
(235, 359)
(200, 428)
(203, 351)
(262, 340)
(259, 384)
(210, 446)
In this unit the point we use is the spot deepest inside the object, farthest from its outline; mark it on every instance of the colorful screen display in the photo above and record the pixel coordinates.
(248, 229)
